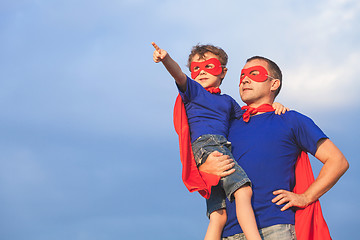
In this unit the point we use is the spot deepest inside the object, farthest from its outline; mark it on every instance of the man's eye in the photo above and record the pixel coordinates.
(255, 72)
(209, 66)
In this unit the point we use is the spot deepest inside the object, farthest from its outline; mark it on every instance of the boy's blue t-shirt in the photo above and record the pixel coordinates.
(208, 113)
(267, 148)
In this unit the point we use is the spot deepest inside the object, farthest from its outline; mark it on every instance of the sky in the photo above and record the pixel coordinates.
(87, 146)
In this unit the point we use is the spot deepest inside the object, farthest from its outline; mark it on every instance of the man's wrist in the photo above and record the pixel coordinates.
(308, 199)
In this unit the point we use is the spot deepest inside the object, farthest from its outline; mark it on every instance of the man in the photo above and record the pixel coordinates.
(267, 146)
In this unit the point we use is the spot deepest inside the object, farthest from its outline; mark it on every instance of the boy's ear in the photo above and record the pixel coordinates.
(223, 73)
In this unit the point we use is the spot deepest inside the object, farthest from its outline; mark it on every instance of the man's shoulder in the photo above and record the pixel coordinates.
(294, 114)
(296, 118)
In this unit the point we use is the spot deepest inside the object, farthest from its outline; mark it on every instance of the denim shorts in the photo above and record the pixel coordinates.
(275, 232)
(202, 147)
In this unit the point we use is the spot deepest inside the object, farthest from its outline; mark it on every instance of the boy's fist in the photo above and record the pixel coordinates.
(159, 54)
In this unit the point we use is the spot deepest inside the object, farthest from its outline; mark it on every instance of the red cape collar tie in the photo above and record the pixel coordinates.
(214, 90)
(309, 222)
(251, 111)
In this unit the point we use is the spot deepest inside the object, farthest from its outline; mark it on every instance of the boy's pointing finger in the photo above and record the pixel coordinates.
(156, 46)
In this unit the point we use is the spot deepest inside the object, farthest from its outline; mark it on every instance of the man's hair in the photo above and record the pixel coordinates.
(274, 69)
(202, 49)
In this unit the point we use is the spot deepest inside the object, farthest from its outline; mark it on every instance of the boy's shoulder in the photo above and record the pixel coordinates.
(227, 96)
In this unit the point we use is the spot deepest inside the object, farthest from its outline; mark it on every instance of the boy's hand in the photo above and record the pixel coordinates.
(279, 108)
(159, 54)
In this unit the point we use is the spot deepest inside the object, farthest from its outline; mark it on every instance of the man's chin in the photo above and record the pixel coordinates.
(246, 100)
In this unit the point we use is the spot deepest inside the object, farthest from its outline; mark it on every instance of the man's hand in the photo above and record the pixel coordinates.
(218, 164)
(291, 199)
(159, 54)
(279, 108)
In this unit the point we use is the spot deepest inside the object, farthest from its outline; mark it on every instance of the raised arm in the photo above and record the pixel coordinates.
(335, 165)
(160, 55)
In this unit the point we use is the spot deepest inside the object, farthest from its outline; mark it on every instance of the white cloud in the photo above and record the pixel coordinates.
(326, 85)
(324, 70)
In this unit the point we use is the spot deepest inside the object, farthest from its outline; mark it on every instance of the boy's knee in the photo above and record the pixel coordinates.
(244, 191)
(219, 216)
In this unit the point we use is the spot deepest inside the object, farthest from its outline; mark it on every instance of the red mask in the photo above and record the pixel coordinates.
(212, 66)
(256, 73)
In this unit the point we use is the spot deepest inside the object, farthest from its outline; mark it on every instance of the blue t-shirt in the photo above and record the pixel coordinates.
(208, 113)
(267, 148)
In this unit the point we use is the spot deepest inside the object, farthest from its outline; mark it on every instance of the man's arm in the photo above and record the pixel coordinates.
(335, 165)
(218, 164)
(160, 55)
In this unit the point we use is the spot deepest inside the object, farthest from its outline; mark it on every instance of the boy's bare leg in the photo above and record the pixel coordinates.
(245, 213)
(216, 225)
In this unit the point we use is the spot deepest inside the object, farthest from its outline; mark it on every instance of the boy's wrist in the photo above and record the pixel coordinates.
(166, 58)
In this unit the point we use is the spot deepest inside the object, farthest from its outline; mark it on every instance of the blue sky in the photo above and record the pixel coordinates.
(88, 149)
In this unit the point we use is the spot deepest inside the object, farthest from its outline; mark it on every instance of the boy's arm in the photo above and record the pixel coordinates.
(279, 108)
(160, 55)
(335, 165)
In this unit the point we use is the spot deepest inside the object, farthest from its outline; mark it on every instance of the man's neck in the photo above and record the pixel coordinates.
(258, 104)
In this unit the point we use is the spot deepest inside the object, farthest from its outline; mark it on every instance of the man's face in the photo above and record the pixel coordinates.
(203, 77)
(256, 92)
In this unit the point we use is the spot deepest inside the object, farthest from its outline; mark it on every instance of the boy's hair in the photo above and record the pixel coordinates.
(274, 69)
(200, 50)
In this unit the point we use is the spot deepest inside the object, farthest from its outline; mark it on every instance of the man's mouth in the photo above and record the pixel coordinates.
(245, 89)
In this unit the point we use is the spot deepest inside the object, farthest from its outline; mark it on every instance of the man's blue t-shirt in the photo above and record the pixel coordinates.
(208, 113)
(267, 148)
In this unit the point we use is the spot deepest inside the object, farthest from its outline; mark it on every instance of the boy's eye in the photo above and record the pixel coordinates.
(209, 66)
(196, 68)
(255, 72)
(242, 75)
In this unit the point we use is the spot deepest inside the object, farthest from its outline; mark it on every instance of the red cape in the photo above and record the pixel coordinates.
(193, 179)
(309, 222)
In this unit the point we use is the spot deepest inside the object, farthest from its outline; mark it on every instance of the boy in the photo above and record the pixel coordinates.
(209, 115)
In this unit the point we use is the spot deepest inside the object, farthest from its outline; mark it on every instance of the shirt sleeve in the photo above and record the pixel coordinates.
(236, 110)
(192, 89)
(307, 133)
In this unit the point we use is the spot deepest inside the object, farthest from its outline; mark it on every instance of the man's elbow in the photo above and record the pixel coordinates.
(341, 164)
(344, 164)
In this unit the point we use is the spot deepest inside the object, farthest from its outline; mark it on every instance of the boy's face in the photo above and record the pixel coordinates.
(204, 78)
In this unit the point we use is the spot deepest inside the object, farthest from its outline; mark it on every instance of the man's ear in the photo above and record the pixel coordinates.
(275, 84)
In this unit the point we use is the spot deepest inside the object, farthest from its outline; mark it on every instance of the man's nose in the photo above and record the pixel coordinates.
(246, 80)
